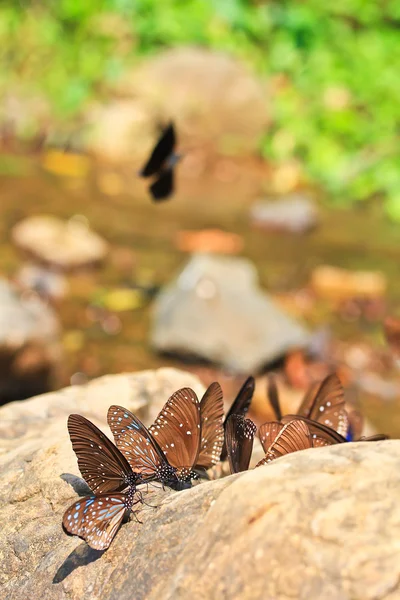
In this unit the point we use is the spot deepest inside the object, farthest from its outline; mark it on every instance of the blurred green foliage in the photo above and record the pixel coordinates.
(333, 70)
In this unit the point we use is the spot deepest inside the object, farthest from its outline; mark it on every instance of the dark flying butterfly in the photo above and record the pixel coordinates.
(96, 519)
(240, 406)
(284, 439)
(239, 435)
(161, 165)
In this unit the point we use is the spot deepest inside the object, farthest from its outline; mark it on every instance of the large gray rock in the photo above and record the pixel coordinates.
(215, 310)
(318, 524)
(30, 347)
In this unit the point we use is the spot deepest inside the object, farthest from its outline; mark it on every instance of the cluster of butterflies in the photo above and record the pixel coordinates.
(188, 437)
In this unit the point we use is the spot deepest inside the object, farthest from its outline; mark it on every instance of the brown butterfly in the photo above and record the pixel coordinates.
(278, 439)
(239, 435)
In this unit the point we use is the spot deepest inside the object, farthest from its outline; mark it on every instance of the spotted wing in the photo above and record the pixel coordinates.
(294, 436)
(177, 429)
(136, 442)
(239, 435)
(100, 462)
(164, 147)
(96, 519)
(328, 405)
(212, 428)
(268, 433)
(240, 406)
(321, 434)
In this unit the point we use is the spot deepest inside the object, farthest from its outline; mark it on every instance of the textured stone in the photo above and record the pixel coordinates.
(319, 524)
(215, 310)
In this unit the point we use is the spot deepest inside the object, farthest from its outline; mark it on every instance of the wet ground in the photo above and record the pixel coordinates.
(142, 237)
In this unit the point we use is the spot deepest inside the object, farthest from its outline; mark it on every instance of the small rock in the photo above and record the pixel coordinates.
(30, 348)
(216, 311)
(295, 213)
(336, 284)
(46, 282)
(66, 245)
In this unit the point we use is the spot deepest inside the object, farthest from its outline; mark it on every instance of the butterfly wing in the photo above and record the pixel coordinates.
(100, 462)
(321, 434)
(163, 148)
(239, 435)
(240, 406)
(177, 429)
(163, 186)
(273, 397)
(294, 436)
(328, 405)
(137, 444)
(97, 519)
(268, 433)
(212, 429)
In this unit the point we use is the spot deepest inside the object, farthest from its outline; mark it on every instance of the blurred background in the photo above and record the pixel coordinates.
(280, 247)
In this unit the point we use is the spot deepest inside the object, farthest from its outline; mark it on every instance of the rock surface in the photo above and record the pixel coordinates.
(63, 244)
(316, 524)
(30, 348)
(215, 310)
(295, 213)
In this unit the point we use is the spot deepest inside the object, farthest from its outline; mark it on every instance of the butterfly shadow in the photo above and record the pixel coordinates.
(78, 484)
(81, 556)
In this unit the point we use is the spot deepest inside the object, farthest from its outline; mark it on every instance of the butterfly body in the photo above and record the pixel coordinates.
(161, 164)
(240, 406)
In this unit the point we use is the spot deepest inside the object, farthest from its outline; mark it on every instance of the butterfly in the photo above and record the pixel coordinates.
(140, 448)
(278, 439)
(97, 518)
(239, 435)
(161, 164)
(240, 406)
(102, 465)
(173, 441)
(324, 403)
